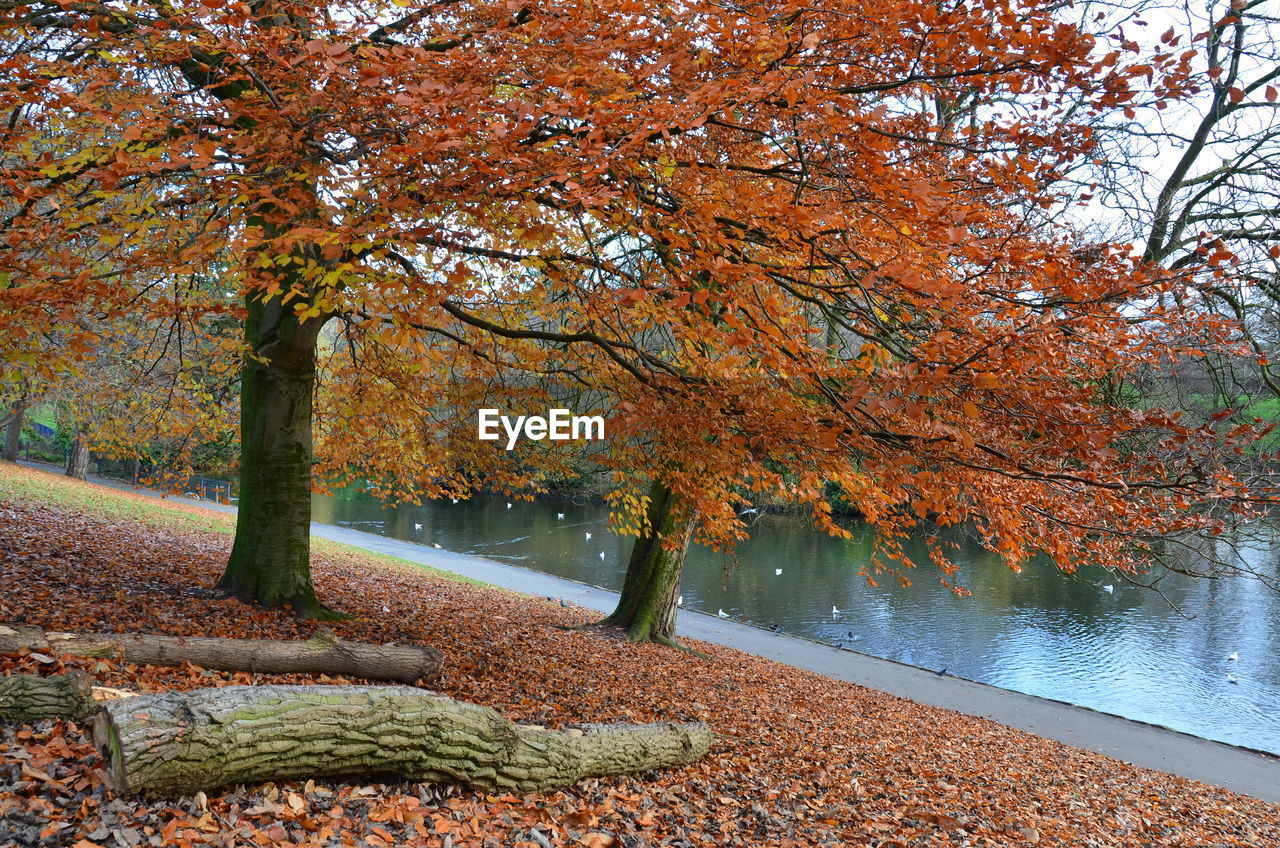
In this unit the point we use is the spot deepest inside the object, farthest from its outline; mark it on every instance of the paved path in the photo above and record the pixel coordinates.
(1131, 741)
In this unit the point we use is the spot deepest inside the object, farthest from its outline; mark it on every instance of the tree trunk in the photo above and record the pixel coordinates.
(319, 655)
(647, 608)
(78, 460)
(13, 432)
(184, 742)
(271, 558)
(27, 698)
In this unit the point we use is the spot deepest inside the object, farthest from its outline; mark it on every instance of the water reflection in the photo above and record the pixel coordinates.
(1123, 651)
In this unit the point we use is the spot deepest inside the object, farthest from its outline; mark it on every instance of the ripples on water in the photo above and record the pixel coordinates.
(1125, 651)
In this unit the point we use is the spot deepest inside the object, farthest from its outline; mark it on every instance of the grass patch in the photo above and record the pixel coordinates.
(57, 490)
(44, 414)
(19, 483)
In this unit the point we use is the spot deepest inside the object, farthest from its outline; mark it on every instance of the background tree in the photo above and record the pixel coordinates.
(11, 422)
(1194, 184)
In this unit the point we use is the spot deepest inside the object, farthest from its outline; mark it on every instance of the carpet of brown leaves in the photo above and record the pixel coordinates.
(802, 761)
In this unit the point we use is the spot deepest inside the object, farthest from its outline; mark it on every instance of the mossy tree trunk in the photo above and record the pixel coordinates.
(270, 561)
(78, 459)
(13, 431)
(184, 742)
(647, 608)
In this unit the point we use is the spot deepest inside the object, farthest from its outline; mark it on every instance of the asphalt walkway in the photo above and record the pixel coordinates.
(1142, 744)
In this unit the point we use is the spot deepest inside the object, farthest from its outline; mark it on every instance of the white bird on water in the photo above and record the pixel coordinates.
(559, 516)
(508, 504)
(602, 555)
(777, 572)
(1231, 678)
(588, 536)
(436, 545)
(679, 600)
(455, 500)
(834, 611)
(722, 614)
(417, 526)
(1234, 656)
(1109, 589)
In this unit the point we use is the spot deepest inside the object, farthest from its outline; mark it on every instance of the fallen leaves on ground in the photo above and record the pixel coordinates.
(801, 761)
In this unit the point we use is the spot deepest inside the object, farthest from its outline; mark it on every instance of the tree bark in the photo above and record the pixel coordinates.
(319, 655)
(647, 607)
(13, 431)
(270, 561)
(27, 698)
(184, 742)
(78, 459)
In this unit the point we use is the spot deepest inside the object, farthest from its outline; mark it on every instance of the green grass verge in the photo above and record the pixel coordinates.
(44, 414)
(18, 483)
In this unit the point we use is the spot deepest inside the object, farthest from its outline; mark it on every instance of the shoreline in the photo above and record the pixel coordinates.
(1147, 745)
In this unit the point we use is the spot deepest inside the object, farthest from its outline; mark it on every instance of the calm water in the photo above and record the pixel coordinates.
(1125, 652)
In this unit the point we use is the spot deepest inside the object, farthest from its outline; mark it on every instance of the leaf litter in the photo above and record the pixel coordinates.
(800, 760)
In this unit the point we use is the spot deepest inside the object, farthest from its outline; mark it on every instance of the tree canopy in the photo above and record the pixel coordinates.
(786, 247)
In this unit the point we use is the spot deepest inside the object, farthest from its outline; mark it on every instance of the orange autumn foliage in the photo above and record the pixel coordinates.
(783, 247)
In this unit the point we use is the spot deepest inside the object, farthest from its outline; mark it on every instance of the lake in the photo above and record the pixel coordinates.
(1125, 651)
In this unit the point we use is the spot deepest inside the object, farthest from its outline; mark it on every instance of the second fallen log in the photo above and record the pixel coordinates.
(184, 742)
(28, 698)
(319, 655)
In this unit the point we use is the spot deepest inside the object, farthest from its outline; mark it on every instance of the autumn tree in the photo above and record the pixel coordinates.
(157, 392)
(733, 228)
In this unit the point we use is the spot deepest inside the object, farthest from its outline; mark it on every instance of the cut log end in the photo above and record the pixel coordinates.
(107, 740)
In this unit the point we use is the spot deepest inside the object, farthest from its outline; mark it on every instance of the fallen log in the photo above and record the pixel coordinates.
(321, 654)
(27, 698)
(184, 742)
